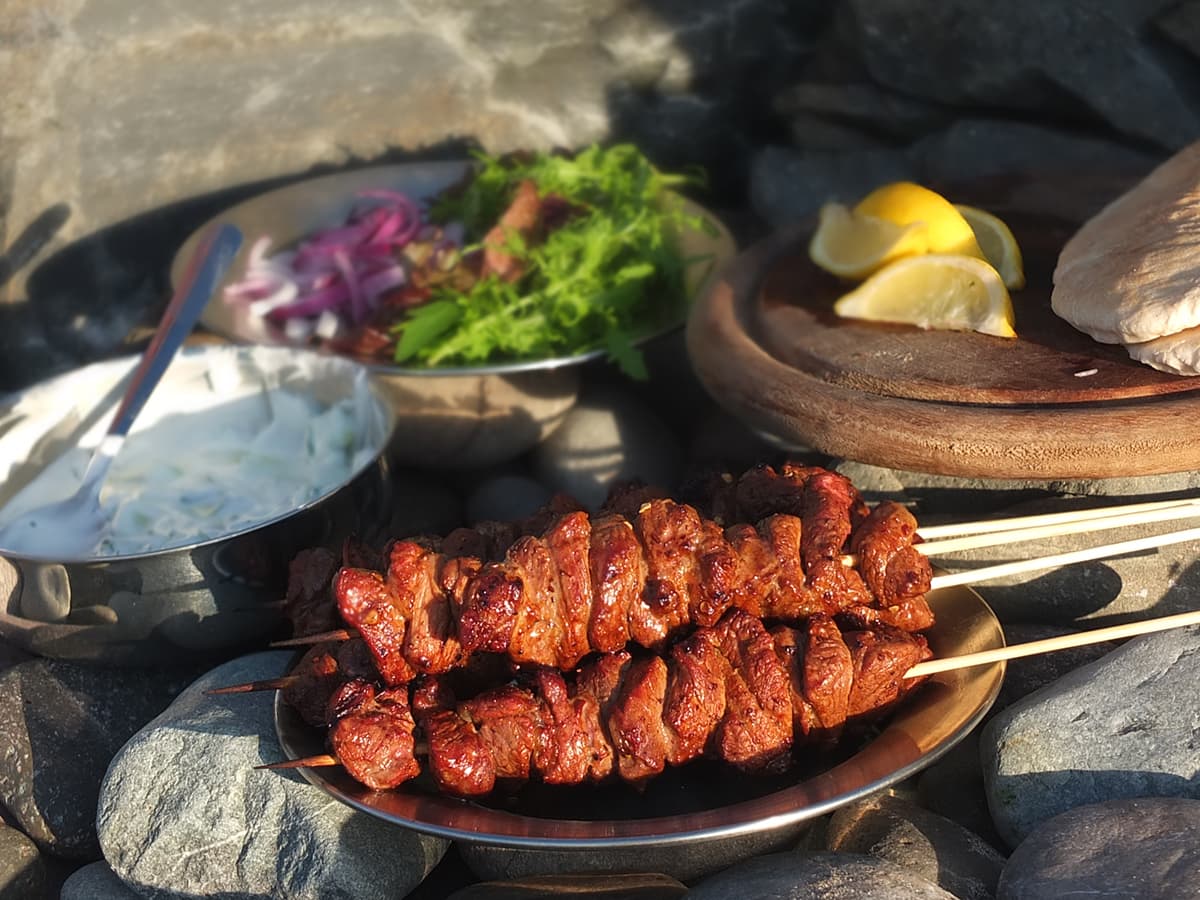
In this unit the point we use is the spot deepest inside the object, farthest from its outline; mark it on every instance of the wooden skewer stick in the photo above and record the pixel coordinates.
(338, 634)
(1056, 529)
(270, 684)
(989, 526)
(322, 760)
(931, 666)
(304, 762)
(1049, 645)
(1053, 529)
(1104, 551)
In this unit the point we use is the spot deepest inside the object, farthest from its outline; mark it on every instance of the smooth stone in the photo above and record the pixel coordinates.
(788, 185)
(1145, 848)
(609, 437)
(585, 887)
(1028, 57)
(65, 722)
(937, 849)
(953, 787)
(817, 876)
(869, 107)
(505, 497)
(974, 149)
(46, 593)
(22, 872)
(721, 438)
(181, 810)
(1123, 726)
(96, 881)
(11, 655)
(685, 862)
(424, 505)
(1180, 24)
(1031, 673)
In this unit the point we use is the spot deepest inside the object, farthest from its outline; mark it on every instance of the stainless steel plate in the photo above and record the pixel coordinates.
(290, 213)
(702, 802)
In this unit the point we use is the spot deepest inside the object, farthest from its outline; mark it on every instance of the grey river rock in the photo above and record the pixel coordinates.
(182, 810)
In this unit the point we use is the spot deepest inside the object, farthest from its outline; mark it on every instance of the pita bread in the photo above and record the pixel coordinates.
(1132, 273)
(1177, 353)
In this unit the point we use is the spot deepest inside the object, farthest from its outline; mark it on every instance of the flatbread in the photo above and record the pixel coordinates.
(1177, 353)
(1132, 272)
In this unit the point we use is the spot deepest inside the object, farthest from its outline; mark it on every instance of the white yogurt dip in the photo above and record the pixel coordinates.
(232, 438)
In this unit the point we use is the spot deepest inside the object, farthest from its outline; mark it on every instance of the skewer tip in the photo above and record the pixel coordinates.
(270, 684)
(305, 762)
(339, 634)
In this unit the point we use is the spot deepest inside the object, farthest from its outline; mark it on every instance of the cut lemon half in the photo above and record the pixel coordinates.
(940, 291)
(853, 245)
(998, 245)
(905, 203)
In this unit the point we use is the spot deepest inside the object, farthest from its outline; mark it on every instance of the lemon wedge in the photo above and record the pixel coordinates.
(905, 203)
(853, 245)
(998, 245)
(937, 291)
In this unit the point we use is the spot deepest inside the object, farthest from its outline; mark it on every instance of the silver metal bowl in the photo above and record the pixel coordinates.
(452, 417)
(195, 600)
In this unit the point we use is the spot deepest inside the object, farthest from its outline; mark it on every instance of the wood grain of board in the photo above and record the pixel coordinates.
(780, 382)
(1049, 362)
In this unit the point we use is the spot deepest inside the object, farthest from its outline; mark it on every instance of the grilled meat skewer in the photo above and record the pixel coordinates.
(589, 585)
(735, 691)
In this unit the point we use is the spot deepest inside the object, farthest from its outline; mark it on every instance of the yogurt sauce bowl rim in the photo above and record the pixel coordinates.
(388, 415)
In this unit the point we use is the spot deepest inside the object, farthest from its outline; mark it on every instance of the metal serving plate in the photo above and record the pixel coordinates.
(702, 801)
(290, 213)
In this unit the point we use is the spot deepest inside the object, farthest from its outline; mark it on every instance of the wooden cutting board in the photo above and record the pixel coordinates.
(1050, 362)
(1052, 404)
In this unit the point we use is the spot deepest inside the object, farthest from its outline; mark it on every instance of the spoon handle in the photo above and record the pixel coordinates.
(209, 264)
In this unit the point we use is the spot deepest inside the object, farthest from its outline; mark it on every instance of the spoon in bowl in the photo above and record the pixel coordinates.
(74, 526)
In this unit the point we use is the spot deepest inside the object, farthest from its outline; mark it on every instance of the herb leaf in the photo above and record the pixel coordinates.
(608, 276)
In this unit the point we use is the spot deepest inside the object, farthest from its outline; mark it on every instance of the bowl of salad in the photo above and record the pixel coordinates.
(474, 289)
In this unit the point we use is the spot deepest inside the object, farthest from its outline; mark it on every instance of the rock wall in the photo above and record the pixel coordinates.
(123, 124)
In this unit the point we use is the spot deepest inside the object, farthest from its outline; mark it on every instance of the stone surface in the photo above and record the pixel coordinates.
(788, 185)
(424, 505)
(1028, 56)
(817, 876)
(65, 722)
(608, 437)
(505, 497)
(585, 887)
(869, 108)
(182, 810)
(1136, 849)
(1031, 673)
(685, 862)
(973, 148)
(1123, 726)
(953, 787)
(10, 655)
(1181, 25)
(22, 873)
(937, 849)
(96, 881)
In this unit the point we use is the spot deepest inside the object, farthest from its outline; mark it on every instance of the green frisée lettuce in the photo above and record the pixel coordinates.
(609, 274)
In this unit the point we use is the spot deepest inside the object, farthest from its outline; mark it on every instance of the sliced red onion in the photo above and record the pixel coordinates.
(328, 325)
(336, 275)
(297, 329)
